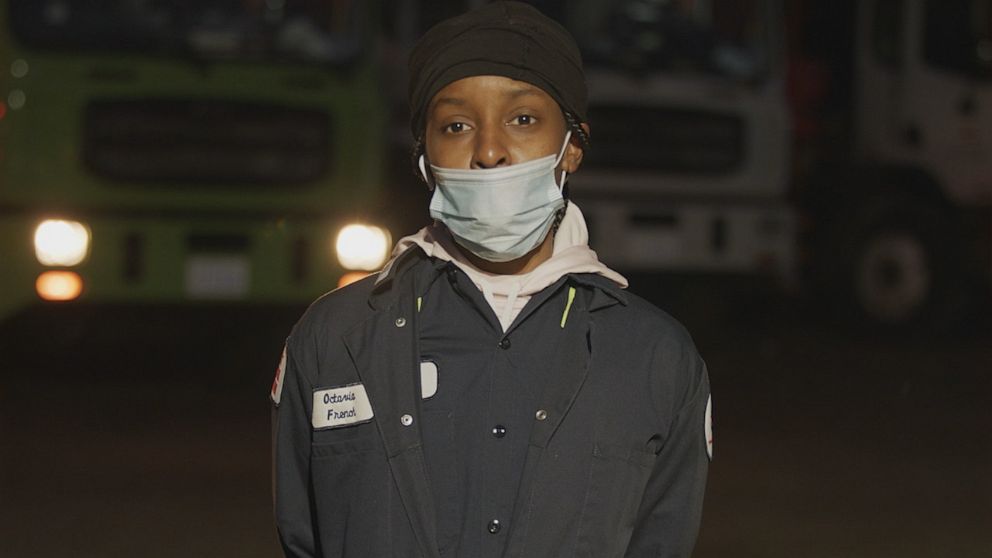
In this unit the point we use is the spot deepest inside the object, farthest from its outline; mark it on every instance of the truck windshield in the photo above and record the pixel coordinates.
(213, 30)
(958, 36)
(720, 37)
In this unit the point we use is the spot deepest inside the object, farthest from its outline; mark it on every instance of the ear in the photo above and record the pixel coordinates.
(572, 159)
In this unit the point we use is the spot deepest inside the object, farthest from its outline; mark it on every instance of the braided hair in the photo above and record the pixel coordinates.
(577, 130)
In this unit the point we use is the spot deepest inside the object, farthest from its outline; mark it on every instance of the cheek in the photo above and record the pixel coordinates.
(534, 149)
(448, 152)
(541, 142)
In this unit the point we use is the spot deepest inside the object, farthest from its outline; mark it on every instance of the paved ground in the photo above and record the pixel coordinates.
(123, 437)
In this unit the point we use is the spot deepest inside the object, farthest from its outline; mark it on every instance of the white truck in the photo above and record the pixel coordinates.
(690, 161)
(898, 193)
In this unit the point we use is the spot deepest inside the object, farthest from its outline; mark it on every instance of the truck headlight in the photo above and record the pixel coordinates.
(363, 247)
(61, 243)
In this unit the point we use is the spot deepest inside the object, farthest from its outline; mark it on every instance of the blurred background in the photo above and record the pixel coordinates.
(806, 184)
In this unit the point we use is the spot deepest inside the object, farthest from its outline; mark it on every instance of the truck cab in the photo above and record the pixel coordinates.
(690, 161)
(902, 212)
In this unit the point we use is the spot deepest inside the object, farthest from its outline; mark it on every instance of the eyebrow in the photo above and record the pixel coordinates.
(455, 101)
(522, 92)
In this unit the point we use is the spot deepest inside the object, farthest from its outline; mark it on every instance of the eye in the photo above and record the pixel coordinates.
(523, 120)
(455, 128)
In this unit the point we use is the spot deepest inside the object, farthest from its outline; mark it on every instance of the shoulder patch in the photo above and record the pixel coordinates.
(708, 427)
(276, 392)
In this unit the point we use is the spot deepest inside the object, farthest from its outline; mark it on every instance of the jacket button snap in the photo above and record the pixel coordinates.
(494, 526)
(406, 420)
(499, 431)
(504, 343)
(400, 322)
(541, 414)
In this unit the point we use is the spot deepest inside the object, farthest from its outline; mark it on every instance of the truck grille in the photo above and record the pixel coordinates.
(665, 139)
(204, 142)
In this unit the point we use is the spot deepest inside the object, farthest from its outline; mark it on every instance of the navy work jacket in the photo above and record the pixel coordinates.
(617, 455)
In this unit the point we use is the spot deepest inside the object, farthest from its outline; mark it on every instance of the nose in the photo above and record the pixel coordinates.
(490, 151)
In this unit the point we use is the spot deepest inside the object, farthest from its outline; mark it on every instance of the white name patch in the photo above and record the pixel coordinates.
(342, 406)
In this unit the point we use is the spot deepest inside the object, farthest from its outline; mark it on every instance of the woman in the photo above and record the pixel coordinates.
(493, 391)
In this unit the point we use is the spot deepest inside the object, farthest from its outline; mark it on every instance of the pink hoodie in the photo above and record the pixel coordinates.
(507, 294)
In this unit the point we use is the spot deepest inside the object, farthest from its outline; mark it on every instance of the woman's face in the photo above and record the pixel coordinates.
(483, 122)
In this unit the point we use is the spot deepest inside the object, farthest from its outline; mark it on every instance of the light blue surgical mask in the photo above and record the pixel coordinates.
(499, 214)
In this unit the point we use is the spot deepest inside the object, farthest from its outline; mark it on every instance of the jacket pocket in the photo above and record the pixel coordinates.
(617, 478)
(352, 494)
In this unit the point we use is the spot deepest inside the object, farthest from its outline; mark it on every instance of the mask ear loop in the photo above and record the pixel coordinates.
(423, 172)
(561, 155)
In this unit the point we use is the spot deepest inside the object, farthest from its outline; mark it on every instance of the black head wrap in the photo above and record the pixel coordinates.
(509, 39)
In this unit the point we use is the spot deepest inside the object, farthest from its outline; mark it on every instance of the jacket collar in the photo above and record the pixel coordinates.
(384, 292)
(605, 292)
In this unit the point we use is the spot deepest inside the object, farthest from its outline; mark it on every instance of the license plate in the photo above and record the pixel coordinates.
(217, 276)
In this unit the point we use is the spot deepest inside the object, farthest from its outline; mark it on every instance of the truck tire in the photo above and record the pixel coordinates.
(897, 266)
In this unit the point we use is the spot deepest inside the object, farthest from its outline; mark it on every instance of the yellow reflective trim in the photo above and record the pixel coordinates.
(568, 305)
(420, 301)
